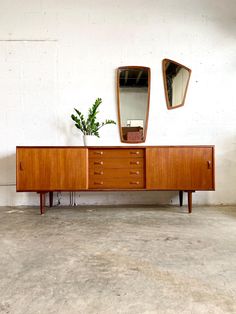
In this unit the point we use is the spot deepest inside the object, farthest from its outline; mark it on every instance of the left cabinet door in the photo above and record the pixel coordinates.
(51, 168)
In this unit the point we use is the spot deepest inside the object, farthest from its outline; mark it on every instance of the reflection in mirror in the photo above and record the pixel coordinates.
(133, 92)
(176, 78)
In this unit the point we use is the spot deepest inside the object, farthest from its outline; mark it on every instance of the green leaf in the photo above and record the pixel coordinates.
(90, 126)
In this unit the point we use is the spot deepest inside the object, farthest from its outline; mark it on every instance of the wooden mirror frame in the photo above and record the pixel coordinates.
(164, 61)
(148, 102)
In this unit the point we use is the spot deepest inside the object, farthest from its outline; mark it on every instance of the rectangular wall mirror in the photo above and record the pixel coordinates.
(176, 78)
(133, 94)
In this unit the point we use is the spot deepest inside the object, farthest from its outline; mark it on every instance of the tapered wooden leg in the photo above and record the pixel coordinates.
(181, 198)
(42, 203)
(190, 201)
(51, 199)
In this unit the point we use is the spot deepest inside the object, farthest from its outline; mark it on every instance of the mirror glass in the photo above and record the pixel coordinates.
(176, 78)
(133, 90)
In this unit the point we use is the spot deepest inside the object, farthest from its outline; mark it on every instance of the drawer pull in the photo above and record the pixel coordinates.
(98, 183)
(98, 153)
(134, 162)
(209, 164)
(21, 167)
(134, 172)
(134, 182)
(98, 172)
(134, 153)
(98, 162)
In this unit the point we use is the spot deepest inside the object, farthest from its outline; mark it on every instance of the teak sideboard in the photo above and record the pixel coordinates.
(113, 168)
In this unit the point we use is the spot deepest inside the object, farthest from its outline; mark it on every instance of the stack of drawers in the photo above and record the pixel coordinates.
(116, 168)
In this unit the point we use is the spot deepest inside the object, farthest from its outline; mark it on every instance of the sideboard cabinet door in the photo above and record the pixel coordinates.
(51, 169)
(180, 168)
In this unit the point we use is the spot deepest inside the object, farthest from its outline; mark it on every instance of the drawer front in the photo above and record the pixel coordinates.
(116, 153)
(115, 163)
(117, 183)
(99, 172)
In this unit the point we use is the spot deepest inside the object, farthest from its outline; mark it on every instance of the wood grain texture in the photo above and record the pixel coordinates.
(99, 172)
(48, 169)
(51, 169)
(116, 169)
(180, 168)
(116, 163)
(116, 153)
(116, 183)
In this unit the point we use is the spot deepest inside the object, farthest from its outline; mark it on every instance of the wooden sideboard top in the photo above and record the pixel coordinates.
(116, 147)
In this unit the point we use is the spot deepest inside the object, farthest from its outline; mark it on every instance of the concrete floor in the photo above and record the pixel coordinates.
(118, 260)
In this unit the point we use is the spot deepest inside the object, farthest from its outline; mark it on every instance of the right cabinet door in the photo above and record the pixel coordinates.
(180, 168)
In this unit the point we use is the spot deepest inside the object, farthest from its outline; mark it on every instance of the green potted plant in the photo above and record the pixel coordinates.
(90, 127)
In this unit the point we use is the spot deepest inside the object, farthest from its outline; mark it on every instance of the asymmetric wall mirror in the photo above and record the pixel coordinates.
(133, 93)
(176, 78)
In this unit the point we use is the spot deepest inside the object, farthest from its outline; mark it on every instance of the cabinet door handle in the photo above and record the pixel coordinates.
(98, 153)
(209, 164)
(134, 162)
(134, 182)
(21, 167)
(98, 183)
(98, 162)
(134, 153)
(98, 172)
(134, 172)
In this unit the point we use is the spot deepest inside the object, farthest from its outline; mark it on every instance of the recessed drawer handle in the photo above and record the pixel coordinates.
(98, 162)
(134, 153)
(134, 162)
(134, 172)
(98, 183)
(134, 182)
(209, 164)
(98, 172)
(21, 167)
(98, 153)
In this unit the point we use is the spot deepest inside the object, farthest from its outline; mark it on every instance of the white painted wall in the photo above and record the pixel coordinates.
(56, 55)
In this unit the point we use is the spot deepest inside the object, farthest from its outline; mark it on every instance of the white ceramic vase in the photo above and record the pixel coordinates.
(90, 140)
